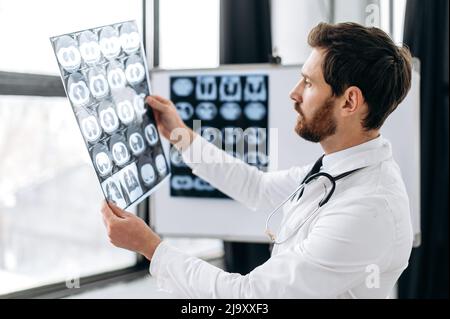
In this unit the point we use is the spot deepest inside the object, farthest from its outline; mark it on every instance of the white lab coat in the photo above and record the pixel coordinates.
(356, 247)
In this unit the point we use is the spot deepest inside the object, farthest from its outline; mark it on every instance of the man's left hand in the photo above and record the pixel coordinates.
(128, 231)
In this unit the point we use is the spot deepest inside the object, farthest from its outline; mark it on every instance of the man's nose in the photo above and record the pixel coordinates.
(296, 94)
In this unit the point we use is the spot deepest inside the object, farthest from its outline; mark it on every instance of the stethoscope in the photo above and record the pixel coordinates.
(298, 193)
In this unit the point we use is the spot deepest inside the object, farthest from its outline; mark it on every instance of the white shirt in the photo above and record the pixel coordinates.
(356, 246)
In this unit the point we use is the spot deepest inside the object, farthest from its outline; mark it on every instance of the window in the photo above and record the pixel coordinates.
(51, 230)
(189, 34)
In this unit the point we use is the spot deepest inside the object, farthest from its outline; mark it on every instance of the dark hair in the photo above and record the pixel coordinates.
(368, 59)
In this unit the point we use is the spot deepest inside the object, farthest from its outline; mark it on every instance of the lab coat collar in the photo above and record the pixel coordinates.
(360, 156)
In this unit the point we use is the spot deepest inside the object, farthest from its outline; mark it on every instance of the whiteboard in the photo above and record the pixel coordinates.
(229, 220)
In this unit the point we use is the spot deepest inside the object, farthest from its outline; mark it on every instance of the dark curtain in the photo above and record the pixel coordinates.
(426, 33)
(245, 37)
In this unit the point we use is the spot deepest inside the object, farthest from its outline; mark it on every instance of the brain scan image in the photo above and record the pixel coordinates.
(232, 135)
(255, 89)
(67, 53)
(185, 110)
(108, 117)
(255, 135)
(206, 89)
(256, 159)
(206, 111)
(125, 111)
(89, 48)
(104, 73)
(151, 134)
(202, 186)
(148, 174)
(78, 91)
(113, 192)
(129, 38)
(110, 43)
(116, 76)
(231, 111)
(90, 128)
(176, 159)
(102, 160)
(98, 84)
(255, 111)
(182, 183)
(230, 89)
(119, 150)
(137, 144)
(134, 70)
(183, 87)
(139, 104)
(161, 165)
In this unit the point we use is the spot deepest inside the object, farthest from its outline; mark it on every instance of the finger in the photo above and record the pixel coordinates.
(156, 104)
(108, 214)
(118, 211)
(161, 99)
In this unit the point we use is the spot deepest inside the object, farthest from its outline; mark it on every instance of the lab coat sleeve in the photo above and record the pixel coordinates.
(340, 249)
(240, 181)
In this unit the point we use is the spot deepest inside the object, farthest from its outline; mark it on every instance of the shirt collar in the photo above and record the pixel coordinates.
(360, 156)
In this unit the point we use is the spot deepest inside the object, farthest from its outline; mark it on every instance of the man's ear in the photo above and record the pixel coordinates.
(353, 100)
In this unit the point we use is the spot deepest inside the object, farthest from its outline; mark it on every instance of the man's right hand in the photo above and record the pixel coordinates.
(168, 120)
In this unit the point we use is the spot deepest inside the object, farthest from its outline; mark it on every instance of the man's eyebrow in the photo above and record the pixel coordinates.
(306, 76)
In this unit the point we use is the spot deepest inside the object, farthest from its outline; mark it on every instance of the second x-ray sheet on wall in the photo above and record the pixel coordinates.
(105, 76)
(233, 112)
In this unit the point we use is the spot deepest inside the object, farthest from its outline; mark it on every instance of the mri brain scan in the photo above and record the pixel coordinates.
(139, 104)
(134, 70)
(89, 48)
(231, 111)
(98, 84)
(183, 87)
(68, 55)
(148, 174)
(137, 144)
(201, 185)
(230, 89)
(206, 89)
(120, 153)
(206, 111)
(90, 128)
(116, 76)
(103, 163)
(78, 91)
(182, 183)
(151, 134)
(110, 43)
(125, 111)
(161, 165)
(255, 111)
(255, 89)
(129, 38)
(113, 192)
(185, 110)
(108, 117)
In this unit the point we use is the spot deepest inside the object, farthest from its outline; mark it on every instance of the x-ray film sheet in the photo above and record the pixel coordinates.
(106, 79)
(233, 111)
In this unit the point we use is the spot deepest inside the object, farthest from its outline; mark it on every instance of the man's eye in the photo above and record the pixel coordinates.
(308, 84)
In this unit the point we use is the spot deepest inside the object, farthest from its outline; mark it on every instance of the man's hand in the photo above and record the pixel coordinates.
(128, 231)
(169, 122)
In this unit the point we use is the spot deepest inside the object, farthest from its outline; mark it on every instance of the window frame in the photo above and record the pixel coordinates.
(39, 85)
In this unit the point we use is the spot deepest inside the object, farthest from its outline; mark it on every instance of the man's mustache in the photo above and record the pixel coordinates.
(298, 109)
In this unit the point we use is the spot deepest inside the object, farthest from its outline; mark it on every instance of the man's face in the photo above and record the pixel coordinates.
(314, 101)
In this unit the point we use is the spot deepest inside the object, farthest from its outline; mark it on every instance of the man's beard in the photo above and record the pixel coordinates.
(322, 125)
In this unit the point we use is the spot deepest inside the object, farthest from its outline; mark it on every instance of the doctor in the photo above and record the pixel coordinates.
(354, 243)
